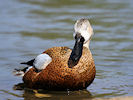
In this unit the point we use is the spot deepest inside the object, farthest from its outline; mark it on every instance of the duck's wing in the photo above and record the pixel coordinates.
(40, 62)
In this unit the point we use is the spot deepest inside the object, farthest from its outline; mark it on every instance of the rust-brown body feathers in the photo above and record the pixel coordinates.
(58, 75)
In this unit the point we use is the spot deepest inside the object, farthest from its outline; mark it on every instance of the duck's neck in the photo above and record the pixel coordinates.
(87, 44)
(76, 52)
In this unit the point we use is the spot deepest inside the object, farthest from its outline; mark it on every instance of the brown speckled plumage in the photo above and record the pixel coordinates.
(68, 69)
(58, 76)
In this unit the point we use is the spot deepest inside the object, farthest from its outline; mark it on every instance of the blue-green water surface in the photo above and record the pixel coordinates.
(28, 27)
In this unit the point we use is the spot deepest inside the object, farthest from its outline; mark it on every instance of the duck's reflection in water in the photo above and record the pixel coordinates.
(32, 94)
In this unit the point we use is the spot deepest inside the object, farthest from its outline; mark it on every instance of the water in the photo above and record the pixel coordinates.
(28, 27)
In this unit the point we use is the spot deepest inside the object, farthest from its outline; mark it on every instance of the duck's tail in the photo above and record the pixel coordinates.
(21, 72)
(29, 63)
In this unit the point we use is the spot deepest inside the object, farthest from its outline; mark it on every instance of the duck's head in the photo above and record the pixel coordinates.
(83, 31)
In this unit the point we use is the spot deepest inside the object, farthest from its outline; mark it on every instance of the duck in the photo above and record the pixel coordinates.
(62, 68)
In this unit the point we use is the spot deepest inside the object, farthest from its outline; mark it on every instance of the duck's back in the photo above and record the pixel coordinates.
(58, 75)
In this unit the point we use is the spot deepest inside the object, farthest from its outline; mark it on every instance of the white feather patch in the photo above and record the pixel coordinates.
(41, 61)
(28, 68)
(83, 27)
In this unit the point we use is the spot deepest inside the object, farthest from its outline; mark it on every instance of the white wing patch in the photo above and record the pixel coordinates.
(41, 61)
(28, 68)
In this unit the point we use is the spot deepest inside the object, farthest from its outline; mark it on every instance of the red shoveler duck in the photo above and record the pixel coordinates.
(62, 68)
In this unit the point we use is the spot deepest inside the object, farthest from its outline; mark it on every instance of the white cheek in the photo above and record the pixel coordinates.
(86, 35)
(41, 61)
